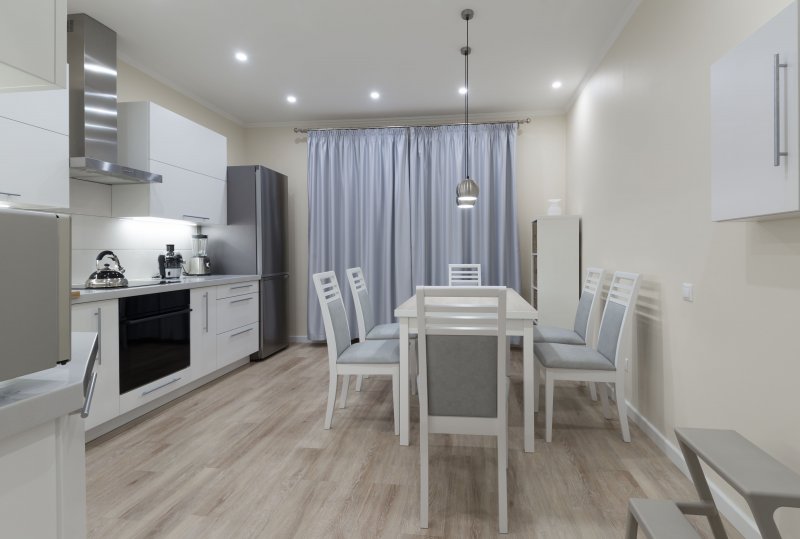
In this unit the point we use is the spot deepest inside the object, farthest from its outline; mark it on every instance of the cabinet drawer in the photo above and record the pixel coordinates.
(142, 395)
(236, 312)
(238, 289)
(236, 344)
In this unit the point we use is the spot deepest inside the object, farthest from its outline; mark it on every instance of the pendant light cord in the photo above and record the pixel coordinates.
(466, 104)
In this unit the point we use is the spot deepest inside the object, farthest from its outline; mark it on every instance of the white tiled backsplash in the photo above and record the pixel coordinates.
(136, 243)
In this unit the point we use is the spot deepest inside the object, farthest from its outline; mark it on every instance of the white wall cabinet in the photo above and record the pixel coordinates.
(103, 318)
(203, 330)
(33, 44)
(191, 158)
(34, 149)
(556, 269)
(754, 119)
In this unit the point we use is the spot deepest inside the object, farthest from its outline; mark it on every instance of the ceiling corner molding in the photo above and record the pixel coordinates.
(603, 52)
(181, 90)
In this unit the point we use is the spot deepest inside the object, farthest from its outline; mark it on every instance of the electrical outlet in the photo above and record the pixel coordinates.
(627, 364)
(688, 292)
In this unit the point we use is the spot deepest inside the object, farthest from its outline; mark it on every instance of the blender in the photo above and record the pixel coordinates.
(199, 263)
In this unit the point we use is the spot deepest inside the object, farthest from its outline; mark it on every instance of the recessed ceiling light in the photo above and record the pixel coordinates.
(375, 95)
(462, 90)
(557, 84)
(242, 57)
(291, 99)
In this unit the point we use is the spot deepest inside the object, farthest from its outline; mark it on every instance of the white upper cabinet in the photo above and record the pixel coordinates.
(192, 160)
(754, 125)
(33, 44)
(34, 148)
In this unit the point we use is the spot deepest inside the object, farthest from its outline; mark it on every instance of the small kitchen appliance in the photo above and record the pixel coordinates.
(170, 265)
(106, 276)
(199, 263)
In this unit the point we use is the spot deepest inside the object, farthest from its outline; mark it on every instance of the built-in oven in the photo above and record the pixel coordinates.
(153, 337)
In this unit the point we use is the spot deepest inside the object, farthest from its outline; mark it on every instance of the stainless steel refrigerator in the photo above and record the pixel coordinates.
(254, 242)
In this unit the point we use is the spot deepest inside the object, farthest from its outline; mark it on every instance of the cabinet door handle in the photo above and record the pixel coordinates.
(205, 296)
(240, 332)
(242, 286)
(99, 315)
(197, 217)
(240, 300)
(776, 143)
(87, 405)
(10, 194)
(161, 386)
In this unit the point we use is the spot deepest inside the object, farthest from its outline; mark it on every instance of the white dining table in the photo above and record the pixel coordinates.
(520, 316)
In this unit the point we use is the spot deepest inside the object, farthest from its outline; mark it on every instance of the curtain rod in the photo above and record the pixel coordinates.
(306, 130)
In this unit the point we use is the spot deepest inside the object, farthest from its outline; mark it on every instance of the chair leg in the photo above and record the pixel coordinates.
(331, 399)
(502, 481)
(632, 530)
(604, 399)
(593, 391)
(359, 379)
(345, 386)
(548, 397)
(396, 401)
(423, 476)
(536, 380)
(413, 366)
(622, 409)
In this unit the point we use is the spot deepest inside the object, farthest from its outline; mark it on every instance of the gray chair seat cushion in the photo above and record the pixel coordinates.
(384, 331)
(372, 352)
(571, 356)
(553, 334)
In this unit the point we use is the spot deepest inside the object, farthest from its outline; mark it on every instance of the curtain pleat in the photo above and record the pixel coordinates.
(384, 199)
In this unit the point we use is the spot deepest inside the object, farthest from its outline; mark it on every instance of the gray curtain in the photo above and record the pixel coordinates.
(442, 233)
(358, 216)
(384, 199)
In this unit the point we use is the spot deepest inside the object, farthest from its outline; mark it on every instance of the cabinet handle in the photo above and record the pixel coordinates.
(240, 332)
(205, 296)
(777, 110)
(161, 386)
(99, 315)
(240, 300)
(10, 194)
(197, 217)
(87, 405)
(243, 286)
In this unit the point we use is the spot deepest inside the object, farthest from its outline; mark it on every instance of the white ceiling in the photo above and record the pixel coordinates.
(331, 54)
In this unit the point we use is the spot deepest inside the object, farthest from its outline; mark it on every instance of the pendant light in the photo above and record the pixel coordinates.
(467, 189)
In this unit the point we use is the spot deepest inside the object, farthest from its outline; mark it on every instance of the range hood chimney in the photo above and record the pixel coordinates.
(92, 57)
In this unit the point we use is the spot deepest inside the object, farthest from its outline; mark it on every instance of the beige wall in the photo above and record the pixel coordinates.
(638, 172)
(540, 175)
(134, 85)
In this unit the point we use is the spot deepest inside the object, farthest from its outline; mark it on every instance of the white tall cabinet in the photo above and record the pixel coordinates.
(755, 148)
(555, 269)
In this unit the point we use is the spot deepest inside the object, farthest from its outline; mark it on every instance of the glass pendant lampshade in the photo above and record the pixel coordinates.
(467, 193)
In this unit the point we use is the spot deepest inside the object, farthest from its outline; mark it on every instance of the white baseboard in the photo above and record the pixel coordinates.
(739, 519)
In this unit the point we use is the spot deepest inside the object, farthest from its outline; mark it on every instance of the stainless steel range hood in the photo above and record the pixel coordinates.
(92, 56)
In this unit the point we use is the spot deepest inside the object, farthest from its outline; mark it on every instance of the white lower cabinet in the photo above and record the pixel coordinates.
(203, 330)
(146, 393)
(236, 344)
(103, 318)
(237, 322)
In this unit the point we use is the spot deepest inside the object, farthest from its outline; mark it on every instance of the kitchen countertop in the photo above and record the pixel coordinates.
(34, 399)
(100, 294)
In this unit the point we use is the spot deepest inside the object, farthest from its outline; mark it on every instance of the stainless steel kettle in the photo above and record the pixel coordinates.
(107, 276)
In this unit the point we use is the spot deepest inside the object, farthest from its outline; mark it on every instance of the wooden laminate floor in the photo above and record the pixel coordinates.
(246, 456)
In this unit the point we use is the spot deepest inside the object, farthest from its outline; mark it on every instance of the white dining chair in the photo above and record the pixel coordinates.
(463, 382)
(584, 330)
(373, 357)
(602, 364)
(464, 274)
(367, 328)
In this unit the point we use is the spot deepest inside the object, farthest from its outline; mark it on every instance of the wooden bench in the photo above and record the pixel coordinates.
(763, 482)
(658, 519)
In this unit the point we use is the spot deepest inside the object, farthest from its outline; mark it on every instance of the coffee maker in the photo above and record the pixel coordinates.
(170, 265)
(199, 263)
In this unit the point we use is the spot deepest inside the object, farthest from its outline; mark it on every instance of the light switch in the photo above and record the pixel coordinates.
(688, 291)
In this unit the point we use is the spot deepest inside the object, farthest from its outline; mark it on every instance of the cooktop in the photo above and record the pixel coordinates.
(132, 283)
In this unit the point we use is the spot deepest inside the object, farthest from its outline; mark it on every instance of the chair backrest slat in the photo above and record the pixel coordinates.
(586, 314)
(462, 349)
(617, 317)
(334, 316)
(464, 274)
(365, 316)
